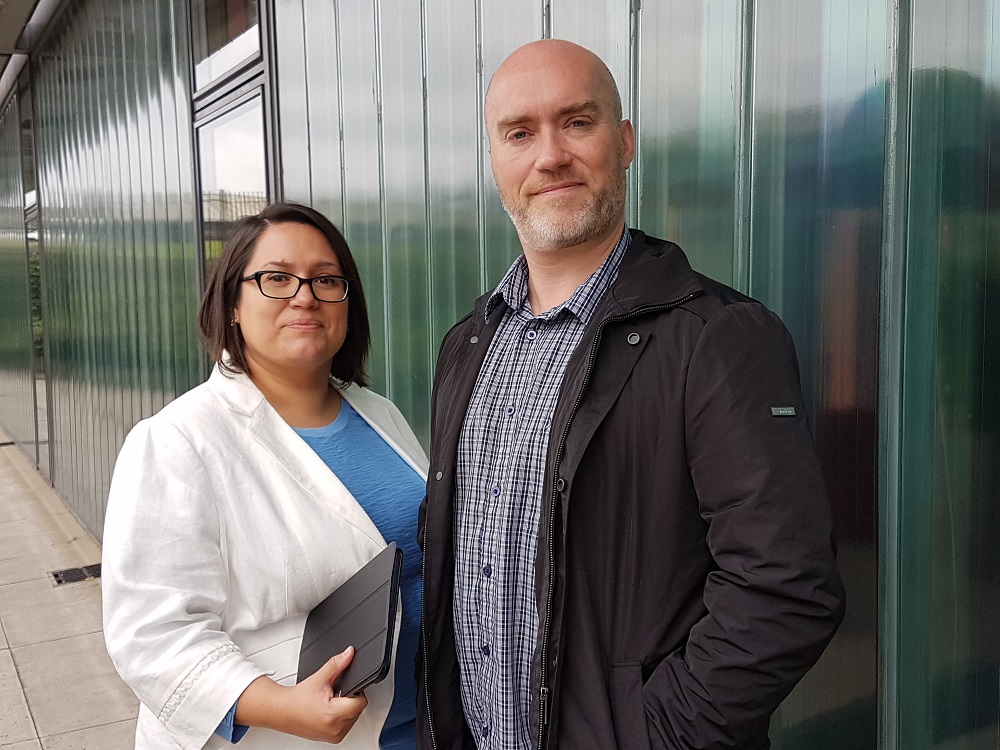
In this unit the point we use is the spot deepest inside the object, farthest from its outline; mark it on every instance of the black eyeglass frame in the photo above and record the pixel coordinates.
(257, 276)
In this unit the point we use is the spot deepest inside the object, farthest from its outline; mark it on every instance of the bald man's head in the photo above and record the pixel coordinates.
(558, 145)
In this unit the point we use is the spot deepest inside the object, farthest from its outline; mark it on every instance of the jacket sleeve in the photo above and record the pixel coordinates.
(775, 598)
(165, 586)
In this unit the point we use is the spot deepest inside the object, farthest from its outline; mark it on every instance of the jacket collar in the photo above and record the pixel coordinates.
(239, 393)
(300, 463)
(306, 468)
(653, 272)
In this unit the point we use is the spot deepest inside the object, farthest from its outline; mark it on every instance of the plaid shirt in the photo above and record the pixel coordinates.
(500, 475)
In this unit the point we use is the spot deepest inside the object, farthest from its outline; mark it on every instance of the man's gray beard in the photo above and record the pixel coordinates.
(558, 230)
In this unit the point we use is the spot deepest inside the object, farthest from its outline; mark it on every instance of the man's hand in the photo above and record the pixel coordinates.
(309, 709)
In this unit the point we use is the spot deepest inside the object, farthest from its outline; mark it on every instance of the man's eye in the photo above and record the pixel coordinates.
(518, 135)
(578, 123)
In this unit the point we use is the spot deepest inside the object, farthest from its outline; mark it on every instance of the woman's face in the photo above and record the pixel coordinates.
(297, 336)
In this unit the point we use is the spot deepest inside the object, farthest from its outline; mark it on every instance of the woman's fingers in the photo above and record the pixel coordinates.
(334, 667)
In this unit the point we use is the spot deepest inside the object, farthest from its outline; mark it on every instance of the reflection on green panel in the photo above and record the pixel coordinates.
(688, 124)
(404, 207)
(815, 144)
(115, 187)
(453, 155)
(949, 561)
(17, 400)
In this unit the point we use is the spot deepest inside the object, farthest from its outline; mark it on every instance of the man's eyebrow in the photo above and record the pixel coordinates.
(588, 106)
(576, 108)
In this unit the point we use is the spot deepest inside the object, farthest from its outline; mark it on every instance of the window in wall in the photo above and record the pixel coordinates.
(27, 138)
(233, 172)
(226, 34)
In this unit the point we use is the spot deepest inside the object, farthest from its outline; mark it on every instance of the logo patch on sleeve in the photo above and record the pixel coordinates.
(782, 411)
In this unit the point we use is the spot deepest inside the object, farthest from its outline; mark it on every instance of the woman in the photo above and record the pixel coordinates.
(246, 501)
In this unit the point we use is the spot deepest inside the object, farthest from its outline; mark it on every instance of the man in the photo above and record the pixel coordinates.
(626, 537)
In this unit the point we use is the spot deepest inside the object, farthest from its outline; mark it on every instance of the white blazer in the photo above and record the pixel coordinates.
(223, 530)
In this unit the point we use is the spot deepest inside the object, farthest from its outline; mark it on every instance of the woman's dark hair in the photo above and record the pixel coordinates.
(222, 293)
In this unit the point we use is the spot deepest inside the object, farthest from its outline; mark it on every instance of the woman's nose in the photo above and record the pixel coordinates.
(305, 295)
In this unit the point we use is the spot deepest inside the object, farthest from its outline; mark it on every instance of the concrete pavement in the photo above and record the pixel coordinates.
(58, 688)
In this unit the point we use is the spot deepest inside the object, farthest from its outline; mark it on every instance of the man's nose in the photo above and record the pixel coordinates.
(553, 153)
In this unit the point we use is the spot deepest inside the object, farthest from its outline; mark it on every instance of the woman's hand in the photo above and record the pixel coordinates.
(309, 709)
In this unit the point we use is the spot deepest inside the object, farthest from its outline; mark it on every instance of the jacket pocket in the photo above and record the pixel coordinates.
(627, 710)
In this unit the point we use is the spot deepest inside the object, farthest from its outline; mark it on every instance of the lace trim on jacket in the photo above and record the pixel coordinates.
(171, 706)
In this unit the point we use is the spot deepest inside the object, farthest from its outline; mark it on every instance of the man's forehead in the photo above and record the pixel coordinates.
(526, 95)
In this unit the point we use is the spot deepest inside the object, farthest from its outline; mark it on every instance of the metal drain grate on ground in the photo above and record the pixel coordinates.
(75, 575)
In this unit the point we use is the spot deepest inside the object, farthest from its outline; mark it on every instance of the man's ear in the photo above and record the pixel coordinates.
(628, 140)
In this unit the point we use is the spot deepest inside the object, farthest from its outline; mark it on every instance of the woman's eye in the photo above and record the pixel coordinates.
(331, 281)
(277, 278)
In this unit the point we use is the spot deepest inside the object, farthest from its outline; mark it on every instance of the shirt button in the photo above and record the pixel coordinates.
(486, 649)
(486, 731)
(530, 335)
(633, 338)
(495, 491)
(561, 484)
(487, 570)
(439, 475)
(474, 340)
(510, 411)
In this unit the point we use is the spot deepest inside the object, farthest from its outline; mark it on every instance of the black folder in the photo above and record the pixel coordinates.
(360, 613)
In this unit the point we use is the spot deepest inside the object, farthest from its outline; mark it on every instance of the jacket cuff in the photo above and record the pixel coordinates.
(200, 702)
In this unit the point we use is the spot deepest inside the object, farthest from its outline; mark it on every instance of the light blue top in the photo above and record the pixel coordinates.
(390, 493)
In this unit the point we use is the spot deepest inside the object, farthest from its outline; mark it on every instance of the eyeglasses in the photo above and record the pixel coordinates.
(282, 285)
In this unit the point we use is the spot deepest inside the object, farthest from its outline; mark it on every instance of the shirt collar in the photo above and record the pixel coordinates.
(513, 288)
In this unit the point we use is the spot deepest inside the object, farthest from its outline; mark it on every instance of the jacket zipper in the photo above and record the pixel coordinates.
(423, 638)
(545, 692)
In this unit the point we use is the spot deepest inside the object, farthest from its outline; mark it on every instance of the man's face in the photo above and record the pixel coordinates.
(559, 154)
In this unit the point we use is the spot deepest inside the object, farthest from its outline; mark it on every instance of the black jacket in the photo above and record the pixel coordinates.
(685, 572)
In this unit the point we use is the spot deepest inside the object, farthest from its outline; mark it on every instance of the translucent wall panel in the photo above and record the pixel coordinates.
(687, 119)
(815, 145)
(402, 175)
(948, 570)
(116, 195)
(17, 399)
(456, 169)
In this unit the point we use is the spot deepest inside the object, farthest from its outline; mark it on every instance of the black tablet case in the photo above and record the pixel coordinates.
(360, 613)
